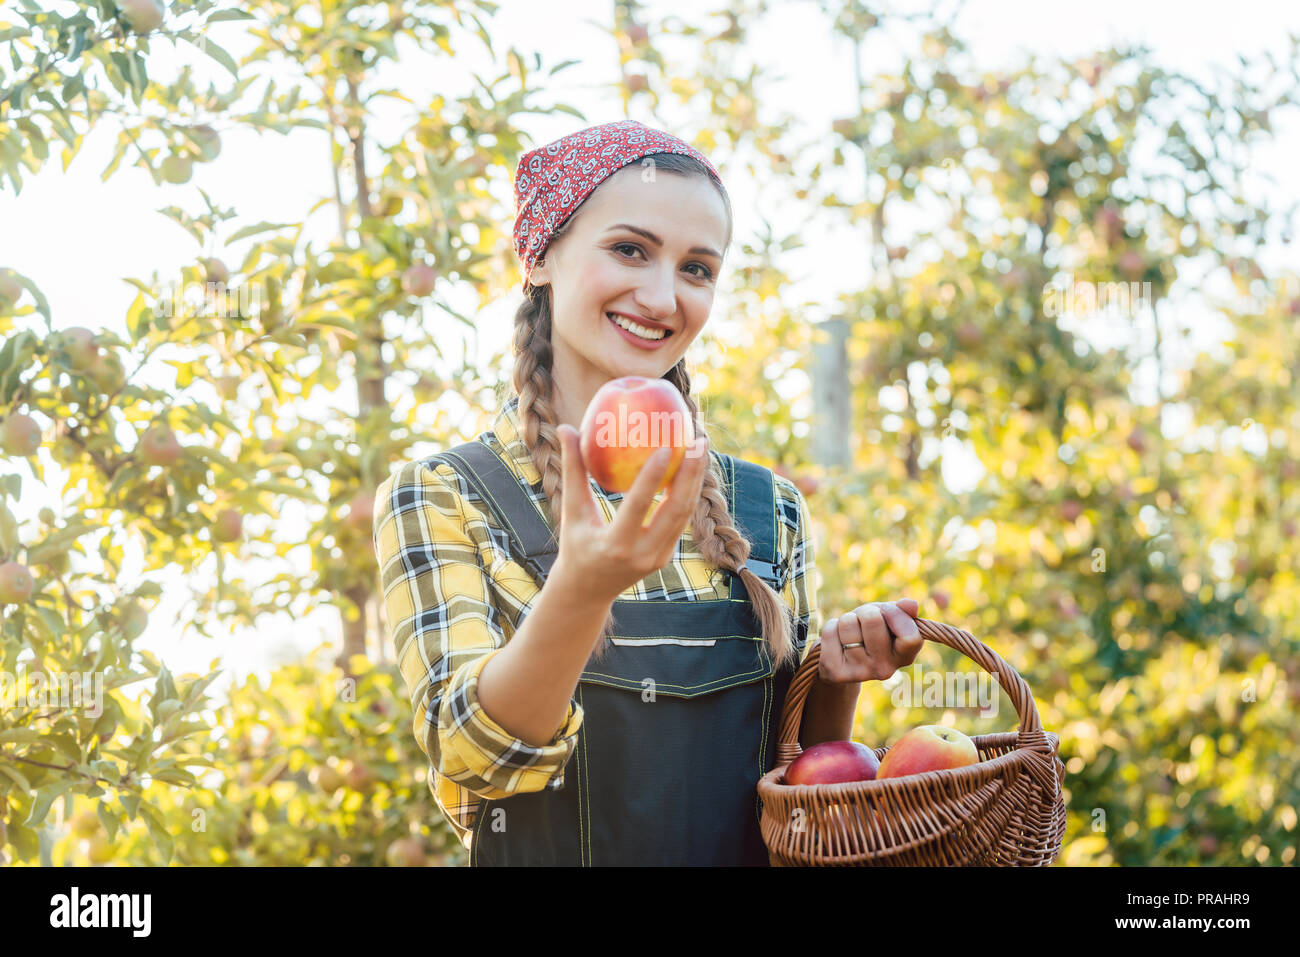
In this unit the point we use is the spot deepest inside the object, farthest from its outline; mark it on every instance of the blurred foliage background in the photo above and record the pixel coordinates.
(1140, 577)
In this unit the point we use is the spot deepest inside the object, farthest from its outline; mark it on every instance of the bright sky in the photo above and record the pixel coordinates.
(77, 237)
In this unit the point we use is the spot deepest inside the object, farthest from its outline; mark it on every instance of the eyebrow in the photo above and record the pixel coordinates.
(697, 250)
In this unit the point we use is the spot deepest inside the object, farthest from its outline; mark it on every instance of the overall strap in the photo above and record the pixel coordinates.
(532, 543)
(753, 510)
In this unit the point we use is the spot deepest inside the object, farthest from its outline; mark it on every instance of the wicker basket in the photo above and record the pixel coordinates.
(1006, 810)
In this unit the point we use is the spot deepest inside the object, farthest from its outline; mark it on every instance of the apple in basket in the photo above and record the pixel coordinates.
(931, 747)
(833, 762)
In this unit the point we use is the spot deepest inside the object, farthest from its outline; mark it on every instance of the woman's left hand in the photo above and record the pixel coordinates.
(889, 641)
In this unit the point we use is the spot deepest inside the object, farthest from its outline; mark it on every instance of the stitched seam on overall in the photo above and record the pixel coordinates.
(762, 749)
(584, 847)
(688, 637)
(717, 684)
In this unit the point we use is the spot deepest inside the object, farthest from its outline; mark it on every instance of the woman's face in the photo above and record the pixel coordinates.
(649, 248)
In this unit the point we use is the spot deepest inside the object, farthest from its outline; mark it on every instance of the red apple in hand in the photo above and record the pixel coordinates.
(628, 420)
(832, 762)
(931, 747)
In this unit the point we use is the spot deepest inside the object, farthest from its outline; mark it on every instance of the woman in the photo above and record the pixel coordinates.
(613, 696)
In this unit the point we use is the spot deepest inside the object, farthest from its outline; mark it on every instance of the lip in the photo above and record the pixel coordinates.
(647, 344)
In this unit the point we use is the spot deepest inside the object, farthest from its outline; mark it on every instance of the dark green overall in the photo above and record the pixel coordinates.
(680, 715)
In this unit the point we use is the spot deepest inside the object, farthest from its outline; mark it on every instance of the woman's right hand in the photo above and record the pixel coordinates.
(607, 559)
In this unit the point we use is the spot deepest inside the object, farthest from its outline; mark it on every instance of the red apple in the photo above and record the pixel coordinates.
(361, 512)
(1109, 224)
(207, 140)
(628, 420)
(1131, 264)
(357, 775)
(143, 16)
(807, 484)
(107, 373)
(931, 747)
(16, 583)
(941, 599)
(832, 762)
(11, 290)
(20, 435)
(78, 343)
(418, 280)
(158, 446)
(216, 271)
(969, 334)
(405, 852)
(228, 526)
(1071, 510)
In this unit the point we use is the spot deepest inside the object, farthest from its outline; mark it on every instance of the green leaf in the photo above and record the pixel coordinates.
(44, 798)
(20, 736)
(66, 745)
(25, 841)
(256, 228)
(223, 15)
(217, 53)
(16, 776)
(108, 819)
(157, 830)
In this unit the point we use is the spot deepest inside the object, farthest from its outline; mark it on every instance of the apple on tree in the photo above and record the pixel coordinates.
(16, 583)
(406, 852)
(628, 420)
(142, 16)
(326, 777)
(419, 279)
(216, 271)
(11, 290)
(176, 169)
(207, 140)
(228, 526)
(107, 373)
(361, 511)
(20, 435)
(158, 446)
(356, 774)
(78, 344)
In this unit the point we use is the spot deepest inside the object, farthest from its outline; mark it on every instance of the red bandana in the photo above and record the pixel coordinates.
(553, 180)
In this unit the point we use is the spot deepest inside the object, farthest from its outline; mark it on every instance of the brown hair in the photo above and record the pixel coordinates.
(715, 535)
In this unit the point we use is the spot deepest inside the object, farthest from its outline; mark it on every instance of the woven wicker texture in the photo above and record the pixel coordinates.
(1005, 810)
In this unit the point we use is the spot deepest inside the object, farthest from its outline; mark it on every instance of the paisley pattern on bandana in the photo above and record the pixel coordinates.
(553, 180)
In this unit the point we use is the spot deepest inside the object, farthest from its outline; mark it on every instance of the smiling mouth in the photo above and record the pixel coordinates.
(641, 332)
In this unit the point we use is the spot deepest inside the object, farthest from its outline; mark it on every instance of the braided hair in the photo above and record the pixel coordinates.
(712, 528)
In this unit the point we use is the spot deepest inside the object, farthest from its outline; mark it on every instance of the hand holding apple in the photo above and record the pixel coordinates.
(604, 560)
(888, 637)
(626, 422)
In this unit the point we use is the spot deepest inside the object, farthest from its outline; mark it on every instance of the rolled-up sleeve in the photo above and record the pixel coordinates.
(444, 627)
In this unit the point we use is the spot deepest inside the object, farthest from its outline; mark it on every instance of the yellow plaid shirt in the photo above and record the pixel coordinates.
(453, 597)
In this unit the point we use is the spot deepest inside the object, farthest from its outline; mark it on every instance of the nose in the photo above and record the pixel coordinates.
(657, 294)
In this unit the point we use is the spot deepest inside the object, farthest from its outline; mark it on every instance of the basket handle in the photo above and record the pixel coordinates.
(1031, 735)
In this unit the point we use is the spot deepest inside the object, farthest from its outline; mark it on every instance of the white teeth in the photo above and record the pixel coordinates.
(636, 328)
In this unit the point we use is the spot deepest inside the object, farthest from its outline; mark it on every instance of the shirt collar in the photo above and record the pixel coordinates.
(509, 432)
